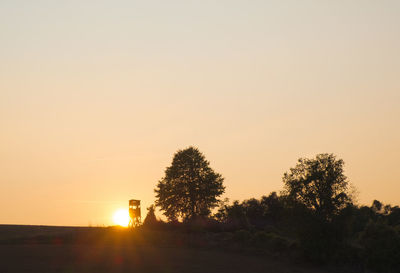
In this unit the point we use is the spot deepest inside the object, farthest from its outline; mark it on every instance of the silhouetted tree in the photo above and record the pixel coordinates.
(362, 216)
(274, 207)
(221, 214)
(236, 216)
(190, 187)
(317, 191)
(255, 212)
(387, 209)
(394, 216)
(319, 184)
(381, 245)
(150, 220)
(252, 213)
(376, 206)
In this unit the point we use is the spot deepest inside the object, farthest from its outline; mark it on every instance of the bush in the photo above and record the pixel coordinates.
(260, 238)
(242, 236)
(202, 224)
(381, 247)
(278, 243)
(320, 240)
(270, 229)
(271, 241)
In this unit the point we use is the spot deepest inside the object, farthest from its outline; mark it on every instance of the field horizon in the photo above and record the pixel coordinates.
(44, 248)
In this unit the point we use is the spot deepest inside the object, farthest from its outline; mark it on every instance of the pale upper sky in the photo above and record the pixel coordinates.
(96, 96)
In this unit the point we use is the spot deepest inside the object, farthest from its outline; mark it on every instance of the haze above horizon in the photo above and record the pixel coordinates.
(97, 96)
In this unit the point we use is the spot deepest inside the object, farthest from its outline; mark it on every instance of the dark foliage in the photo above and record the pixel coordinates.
(190, 187)
(381, 244)
(252, 213)
(319, 184)
(393, 216)
(313, 217)
(151, 221)
(322, 241)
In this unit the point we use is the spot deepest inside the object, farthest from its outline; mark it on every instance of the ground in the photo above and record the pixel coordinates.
(115, 254)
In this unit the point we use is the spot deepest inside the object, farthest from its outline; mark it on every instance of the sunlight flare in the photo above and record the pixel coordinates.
(121, 217)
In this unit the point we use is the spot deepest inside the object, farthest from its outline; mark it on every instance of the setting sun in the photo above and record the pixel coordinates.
(121, 217)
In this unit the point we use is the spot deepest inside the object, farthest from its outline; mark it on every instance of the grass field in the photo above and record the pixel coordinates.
(73, 249)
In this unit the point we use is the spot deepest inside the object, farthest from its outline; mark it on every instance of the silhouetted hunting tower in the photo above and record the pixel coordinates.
(134, 213)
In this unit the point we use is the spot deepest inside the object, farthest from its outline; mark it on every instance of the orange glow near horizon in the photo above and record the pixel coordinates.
(93, 109)
(121, 217)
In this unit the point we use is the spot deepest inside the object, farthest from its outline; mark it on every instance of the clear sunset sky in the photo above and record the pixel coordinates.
(97, 96)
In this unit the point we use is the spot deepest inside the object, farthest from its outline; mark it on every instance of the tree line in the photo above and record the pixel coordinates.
(315, 212)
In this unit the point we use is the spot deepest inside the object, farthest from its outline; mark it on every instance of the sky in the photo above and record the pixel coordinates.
(97, 96)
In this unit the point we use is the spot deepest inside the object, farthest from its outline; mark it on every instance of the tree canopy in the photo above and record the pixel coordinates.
(190, 186)
(319, 184)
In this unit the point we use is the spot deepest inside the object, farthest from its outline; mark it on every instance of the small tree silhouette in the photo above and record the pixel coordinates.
(150, 220)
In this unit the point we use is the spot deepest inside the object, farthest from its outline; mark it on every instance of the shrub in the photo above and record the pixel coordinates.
(261, 238)
(381, 247)
(320, 241)
(270, 241)
(278, 243)
(242, 236)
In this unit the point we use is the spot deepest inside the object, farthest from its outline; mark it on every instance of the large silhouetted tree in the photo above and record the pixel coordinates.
(190, 187)
(319, 184)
